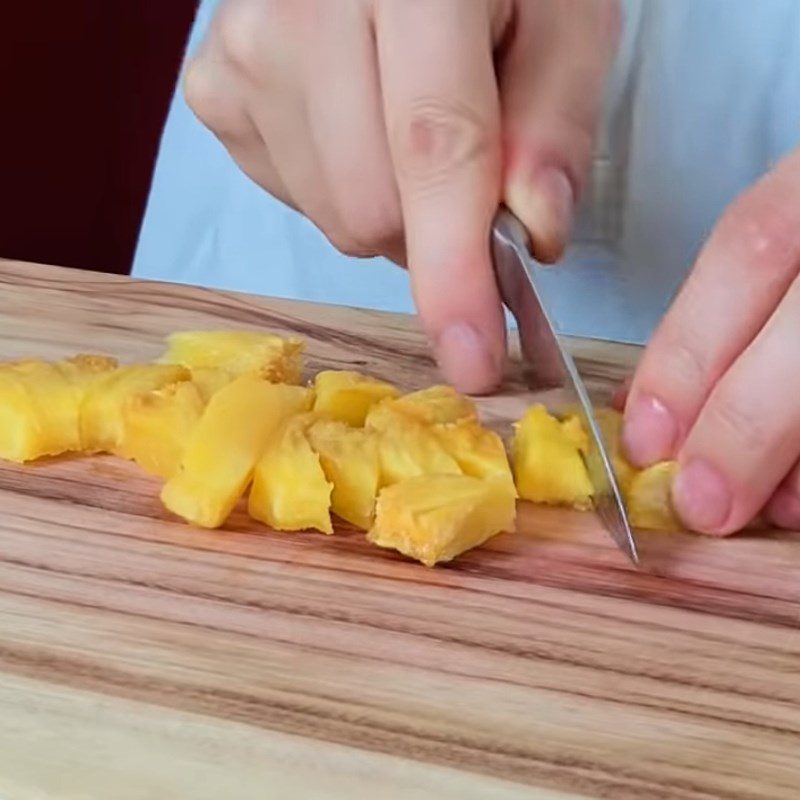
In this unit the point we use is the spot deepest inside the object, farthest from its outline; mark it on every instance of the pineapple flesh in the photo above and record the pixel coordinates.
(157, 424)
(101, 415)
(290, 491)
(648, 498)
(348, 396)
(40, 405)
(435, 518)
(224, 447)
(548, 466)
(349, 458)
(275, 359)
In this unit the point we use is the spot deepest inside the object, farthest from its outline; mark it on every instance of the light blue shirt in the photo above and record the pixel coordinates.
(704, 98)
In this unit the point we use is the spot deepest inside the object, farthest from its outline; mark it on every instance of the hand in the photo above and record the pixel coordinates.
(397, 127)
(719, 384)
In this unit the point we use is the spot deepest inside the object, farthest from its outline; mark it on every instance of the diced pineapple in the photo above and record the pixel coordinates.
(610, 423)
(209, 381)
(101, 419)
(436, 518)
(479, 452)
(348, 396)
(238, 352)
(20, 428)
(218, 461)
(648, 498)
(408, 449)
(349, 458)
(437, 404)
(54, 404)
(548, 467)
(84, 369)
(40, 417)
(157, 425)
(290, 491)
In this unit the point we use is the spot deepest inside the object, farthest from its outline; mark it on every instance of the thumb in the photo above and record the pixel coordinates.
(552, 80)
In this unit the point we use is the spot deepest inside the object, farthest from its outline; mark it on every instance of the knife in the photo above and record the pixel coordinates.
(552, 365)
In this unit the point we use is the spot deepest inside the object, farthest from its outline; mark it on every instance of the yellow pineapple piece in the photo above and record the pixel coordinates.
(408, 449)
(210, 380)
(437, 404)
(290, 491)
(349, 458)
(225, 446)
(610, 423)
(478, 451)
(548, 467)
(157, 425)
(84, 369)
(238, 352)
(21, 435)
(648, 498)
(348, 396)
(436, 518)
(101, 418)
(50, 426)
(40, 404)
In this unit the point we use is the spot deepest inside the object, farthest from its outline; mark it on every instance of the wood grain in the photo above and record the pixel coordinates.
(141, 658)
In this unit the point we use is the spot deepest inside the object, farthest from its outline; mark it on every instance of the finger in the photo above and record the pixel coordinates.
(783, 508)
(745, 268)
(552, 80)
(215, 94)
(442, 114)
(747, 437)
(255, 39)
(347, 125)
(620, 395)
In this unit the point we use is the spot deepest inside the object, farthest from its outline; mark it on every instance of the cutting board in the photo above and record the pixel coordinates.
(141, 658)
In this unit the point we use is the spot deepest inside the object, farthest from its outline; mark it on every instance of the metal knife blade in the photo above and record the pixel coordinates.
(552, 365)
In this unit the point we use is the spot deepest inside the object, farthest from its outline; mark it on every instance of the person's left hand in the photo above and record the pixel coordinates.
(719, 384)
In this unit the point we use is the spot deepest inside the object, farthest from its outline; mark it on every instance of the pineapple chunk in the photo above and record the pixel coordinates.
(436, 518)
(225, 445)
(478, 451)
(209, 381)
(84, 369)
(648, 498)
(437, 404)
(290, 491)
(101, 418)
(349, 458)
(238, 352)
(21, 434)
(348, 396)
(610, 423)
(408, 449)
(548, 466)
(157, 425)
(40, 405)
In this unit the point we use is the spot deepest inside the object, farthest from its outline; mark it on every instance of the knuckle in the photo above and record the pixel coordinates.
(236, 28)
(687, 361)
(766, 237)
(735, 419)
(218, 111)
(437, 137)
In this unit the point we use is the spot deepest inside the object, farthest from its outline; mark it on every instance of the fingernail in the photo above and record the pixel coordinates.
(650, 431)
(544, 202)
(701, 497)
(467, 361)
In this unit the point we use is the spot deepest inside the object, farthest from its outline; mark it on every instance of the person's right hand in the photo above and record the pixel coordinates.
(398, 126)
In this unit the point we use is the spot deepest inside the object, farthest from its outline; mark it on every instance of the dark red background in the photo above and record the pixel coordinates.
(84, 90)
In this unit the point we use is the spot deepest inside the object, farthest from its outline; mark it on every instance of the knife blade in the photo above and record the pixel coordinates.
(552, 365)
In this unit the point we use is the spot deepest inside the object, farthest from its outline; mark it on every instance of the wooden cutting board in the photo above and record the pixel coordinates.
(140, 658)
